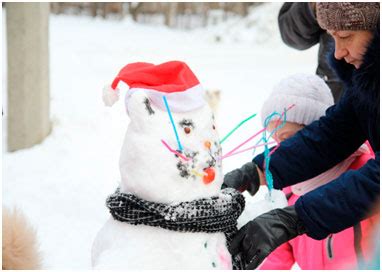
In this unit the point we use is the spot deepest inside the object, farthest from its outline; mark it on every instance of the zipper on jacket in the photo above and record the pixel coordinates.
(329, 247)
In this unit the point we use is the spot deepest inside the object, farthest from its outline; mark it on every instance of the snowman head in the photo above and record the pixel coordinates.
(151, 171)
(148, 168)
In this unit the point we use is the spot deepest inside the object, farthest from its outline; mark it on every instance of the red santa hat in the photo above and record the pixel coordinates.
(173, 79)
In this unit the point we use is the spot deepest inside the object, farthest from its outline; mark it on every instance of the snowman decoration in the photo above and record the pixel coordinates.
(169, 211)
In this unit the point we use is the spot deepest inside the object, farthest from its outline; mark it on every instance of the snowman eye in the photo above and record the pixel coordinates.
(187, 125)
(213, 126)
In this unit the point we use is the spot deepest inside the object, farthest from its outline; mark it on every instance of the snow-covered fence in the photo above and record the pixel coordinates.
(173, 14)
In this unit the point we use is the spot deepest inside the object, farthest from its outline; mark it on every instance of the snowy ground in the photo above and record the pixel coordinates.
(61, 184)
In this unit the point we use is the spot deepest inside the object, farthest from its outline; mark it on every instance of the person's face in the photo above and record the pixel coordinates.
(287, 131)
(351, 45)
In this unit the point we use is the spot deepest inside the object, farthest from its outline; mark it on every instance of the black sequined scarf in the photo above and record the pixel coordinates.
(214, 214)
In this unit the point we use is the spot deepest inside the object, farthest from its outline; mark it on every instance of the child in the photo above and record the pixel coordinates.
(311, 97)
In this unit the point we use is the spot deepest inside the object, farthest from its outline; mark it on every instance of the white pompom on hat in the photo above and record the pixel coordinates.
(173, 79)
(309, 93)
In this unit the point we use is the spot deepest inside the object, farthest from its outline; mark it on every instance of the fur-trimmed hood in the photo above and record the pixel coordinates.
(363, 83)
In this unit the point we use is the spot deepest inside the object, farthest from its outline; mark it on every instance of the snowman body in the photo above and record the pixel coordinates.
(151, 172)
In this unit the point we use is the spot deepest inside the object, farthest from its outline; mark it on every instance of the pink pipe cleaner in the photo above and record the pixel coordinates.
(240, 145)
(241, 151)
(253, 136)
(174, 151)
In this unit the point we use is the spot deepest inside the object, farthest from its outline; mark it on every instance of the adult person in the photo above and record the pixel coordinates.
(299, 29)
(348, 199)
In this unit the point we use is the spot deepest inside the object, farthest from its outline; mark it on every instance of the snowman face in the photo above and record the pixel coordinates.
(151, 171)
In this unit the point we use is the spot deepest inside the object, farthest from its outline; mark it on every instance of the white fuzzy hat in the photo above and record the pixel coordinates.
(309, 93)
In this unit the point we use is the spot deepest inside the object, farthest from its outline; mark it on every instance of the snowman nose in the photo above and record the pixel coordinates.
(207, 144)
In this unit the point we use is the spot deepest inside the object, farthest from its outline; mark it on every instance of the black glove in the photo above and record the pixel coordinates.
(244, 178)
(259, 237)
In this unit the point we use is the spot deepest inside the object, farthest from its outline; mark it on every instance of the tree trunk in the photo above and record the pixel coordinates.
(28, 74)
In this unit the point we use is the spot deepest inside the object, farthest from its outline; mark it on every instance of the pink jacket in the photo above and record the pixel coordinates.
(343, 250)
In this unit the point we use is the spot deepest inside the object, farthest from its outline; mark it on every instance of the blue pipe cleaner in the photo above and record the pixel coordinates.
(173, 124)
(265, 139)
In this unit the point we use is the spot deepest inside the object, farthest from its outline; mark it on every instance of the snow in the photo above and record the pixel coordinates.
(62, 183)
(150, 255)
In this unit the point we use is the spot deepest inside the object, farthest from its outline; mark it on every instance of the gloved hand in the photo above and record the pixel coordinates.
(259, 237)
(244, 178)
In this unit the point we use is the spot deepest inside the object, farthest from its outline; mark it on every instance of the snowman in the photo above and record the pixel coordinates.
(168, 211)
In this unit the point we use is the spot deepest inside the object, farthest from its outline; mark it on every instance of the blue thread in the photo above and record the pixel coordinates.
(173, 124)
(268, 174)
(254, 149)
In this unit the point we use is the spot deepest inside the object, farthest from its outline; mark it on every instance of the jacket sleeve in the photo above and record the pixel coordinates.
(317, 147)
(341, 203)
(280, 259)
(298, 25)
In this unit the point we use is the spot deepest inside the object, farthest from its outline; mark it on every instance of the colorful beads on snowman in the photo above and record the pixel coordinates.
(110, 95)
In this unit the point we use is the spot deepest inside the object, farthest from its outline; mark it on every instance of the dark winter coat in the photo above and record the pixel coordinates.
(324, 143)
(300, 30)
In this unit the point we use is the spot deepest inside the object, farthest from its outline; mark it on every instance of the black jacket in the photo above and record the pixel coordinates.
(324, 143)
(300, 30)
